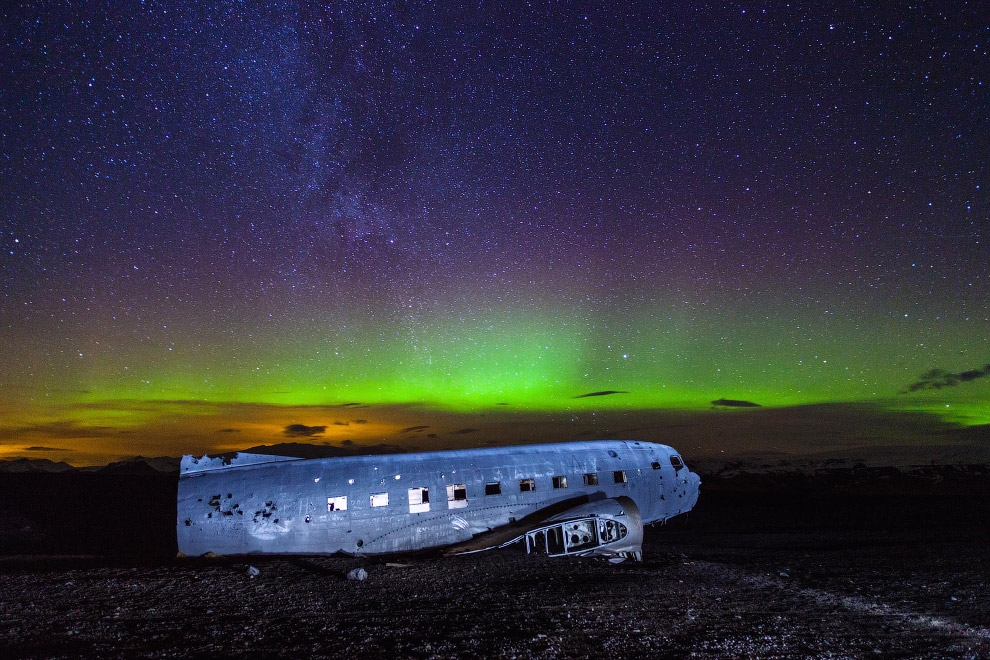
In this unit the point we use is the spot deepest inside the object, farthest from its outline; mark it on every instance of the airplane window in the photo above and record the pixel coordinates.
(591, 479)
(456, 496)
(612, 454)
(493, 489)
(337, 503)
(379, 499)
(560, 482)
(527, 485)
(419, 499)
(675, 460)
(619, 476)
(656, 465)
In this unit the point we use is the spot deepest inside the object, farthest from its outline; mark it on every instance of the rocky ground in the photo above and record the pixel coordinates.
(786, 571)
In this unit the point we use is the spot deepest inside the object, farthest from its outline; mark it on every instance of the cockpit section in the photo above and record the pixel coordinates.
(608, 528)
(575, 536)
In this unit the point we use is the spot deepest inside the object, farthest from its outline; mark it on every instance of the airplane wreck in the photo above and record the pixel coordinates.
(569, 499)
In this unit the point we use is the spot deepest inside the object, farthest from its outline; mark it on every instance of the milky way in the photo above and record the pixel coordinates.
(459, 207)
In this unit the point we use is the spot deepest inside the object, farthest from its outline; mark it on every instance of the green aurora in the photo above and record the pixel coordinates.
(538, 363)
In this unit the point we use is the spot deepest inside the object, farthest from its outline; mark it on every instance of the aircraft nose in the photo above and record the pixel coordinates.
(693, 488)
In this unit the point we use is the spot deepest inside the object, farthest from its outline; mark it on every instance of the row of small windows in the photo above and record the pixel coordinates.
(419, 498)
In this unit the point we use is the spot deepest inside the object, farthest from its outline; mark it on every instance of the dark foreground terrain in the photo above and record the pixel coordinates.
(784, 567)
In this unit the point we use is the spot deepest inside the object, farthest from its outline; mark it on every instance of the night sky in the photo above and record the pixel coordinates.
(220, 220)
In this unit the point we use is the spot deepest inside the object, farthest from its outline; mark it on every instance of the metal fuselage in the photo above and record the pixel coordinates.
(406, 502)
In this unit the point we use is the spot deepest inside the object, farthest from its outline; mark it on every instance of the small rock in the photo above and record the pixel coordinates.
(357, 574)
(253, 572)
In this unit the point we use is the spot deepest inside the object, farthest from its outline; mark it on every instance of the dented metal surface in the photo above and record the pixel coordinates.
(596, 495)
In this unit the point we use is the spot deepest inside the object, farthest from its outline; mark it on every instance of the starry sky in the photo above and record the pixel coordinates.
(221, 220)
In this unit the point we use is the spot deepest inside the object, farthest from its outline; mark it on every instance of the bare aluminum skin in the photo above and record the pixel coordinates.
(256, 504)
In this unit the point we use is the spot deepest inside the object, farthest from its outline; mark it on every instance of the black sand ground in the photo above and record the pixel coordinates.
(834, 566)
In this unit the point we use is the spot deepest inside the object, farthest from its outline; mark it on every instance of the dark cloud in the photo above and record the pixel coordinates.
(46, 449)
(936, 379)
(411, 429)
(341, 423)
(300, 450)
(602, 393)
(61, 429)
(464, 431)
(303, 431)
(229, 431)
(735, 403)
